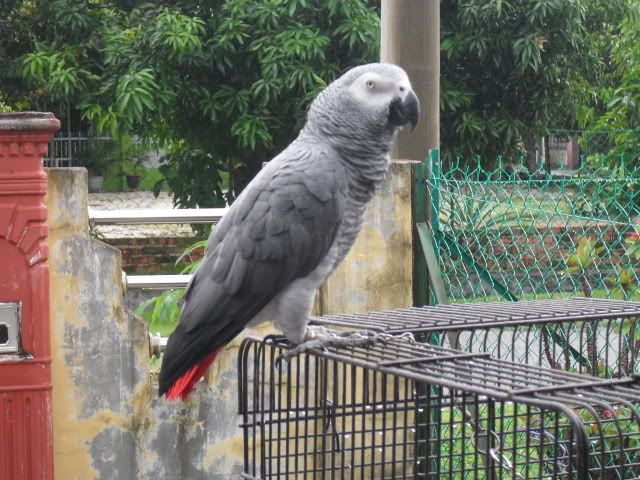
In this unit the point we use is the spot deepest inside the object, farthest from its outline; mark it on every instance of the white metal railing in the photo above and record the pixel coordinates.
(63, 149)
(157, 344)
(158, 282)
(155, 216)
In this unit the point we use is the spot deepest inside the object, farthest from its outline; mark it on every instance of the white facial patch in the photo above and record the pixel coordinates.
(375, 90)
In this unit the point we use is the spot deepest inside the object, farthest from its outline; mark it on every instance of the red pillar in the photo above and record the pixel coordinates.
(26, 438)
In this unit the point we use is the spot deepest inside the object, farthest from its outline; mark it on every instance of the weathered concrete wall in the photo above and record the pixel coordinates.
(377, 273)
(108, 421)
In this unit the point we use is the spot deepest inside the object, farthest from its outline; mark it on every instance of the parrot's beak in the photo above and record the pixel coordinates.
(412, 109)
(405, 111)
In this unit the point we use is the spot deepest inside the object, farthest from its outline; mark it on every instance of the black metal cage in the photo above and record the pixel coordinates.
(594, 336)
(403, 410)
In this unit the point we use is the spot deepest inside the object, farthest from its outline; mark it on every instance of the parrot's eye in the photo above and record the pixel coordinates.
(370, 84)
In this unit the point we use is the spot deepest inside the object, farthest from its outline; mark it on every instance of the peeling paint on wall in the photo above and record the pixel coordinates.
(377, 273)
(108, 421)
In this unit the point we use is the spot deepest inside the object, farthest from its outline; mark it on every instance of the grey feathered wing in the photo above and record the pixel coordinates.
(279, 229)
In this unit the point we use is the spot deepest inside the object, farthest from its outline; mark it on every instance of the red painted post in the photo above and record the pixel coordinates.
(573, 154)
(26, 438)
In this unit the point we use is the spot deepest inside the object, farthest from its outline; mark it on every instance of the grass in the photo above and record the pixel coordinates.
(535, 442)
(526, 296)
(597, 293)
(114, 181)
(459, 452)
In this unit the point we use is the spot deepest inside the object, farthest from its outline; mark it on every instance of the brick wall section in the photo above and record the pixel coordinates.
(546, 246)
(542, 247)
(153, 254)
(533, 260)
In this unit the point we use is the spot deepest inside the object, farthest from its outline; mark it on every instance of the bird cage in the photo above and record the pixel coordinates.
(403, 410)
(593, 336)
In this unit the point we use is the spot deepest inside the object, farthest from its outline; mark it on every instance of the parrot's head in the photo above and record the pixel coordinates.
(371, 99)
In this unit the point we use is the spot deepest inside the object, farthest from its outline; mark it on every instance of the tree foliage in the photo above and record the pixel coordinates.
(618, 115)
(512, 69)
(222, 84)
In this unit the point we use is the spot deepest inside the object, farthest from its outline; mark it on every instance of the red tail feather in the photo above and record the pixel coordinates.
(187, 382)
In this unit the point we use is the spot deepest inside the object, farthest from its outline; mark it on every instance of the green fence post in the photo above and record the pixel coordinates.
(426, 207)
(420, 297)
(435, 179)
(427, 273)
(420, 275)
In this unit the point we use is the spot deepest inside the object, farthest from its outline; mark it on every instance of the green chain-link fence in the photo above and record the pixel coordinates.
(504, 235)
(498, 235)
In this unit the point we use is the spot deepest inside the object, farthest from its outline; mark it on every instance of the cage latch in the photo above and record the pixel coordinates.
(491, 437)
(329, 414)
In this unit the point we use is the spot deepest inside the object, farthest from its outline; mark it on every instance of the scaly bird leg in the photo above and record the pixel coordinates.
(320, 338)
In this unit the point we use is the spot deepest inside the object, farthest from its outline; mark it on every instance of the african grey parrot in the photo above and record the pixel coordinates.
(293, 224)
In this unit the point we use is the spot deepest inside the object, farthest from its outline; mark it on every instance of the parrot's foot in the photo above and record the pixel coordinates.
(319, 338)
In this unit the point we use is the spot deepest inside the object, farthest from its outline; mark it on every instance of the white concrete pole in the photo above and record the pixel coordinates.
(411, 39)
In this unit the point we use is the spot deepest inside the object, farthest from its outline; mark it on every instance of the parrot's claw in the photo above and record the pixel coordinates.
(320, 338)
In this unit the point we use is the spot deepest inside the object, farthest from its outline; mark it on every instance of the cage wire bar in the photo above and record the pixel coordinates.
(598, 337)
(355, 413)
